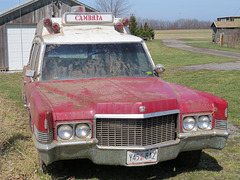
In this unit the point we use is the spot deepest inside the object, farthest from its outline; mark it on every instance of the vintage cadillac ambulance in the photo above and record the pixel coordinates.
(90, 93)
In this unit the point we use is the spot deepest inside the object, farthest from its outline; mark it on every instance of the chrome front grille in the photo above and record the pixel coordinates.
(136, 132)
(43, 137)
(220, 124)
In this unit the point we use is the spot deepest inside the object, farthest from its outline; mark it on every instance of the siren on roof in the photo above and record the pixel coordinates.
(78, 9)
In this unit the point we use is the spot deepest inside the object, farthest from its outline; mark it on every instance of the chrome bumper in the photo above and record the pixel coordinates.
(118, 155)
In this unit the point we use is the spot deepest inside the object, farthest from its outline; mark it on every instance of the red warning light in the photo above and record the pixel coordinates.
(47, 22)
(119, 26)
(125, 21)
(56, 27)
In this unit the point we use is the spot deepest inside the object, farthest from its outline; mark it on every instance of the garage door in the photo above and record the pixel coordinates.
(19, 45)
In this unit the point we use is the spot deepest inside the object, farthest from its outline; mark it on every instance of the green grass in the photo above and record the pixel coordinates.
(213, 46)
(10, 86)
(184, 34)
(173, 58)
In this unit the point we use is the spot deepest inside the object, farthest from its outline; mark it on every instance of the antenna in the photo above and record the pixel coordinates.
(236, 12)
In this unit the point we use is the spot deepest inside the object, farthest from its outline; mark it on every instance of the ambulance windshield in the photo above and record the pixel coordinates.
(80, 61)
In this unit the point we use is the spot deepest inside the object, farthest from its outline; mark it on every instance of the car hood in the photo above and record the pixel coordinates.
(82, 99)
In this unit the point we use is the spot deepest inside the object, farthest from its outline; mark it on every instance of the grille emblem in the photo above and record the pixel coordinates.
(142, 108)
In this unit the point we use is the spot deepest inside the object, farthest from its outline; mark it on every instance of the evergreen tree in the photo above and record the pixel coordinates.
(148, 32)
(151, 33)
(133, 26)
(143, 31)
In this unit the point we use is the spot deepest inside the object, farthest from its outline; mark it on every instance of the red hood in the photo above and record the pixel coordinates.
(82, 99)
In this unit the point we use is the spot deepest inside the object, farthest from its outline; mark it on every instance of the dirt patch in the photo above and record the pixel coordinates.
(234, 131)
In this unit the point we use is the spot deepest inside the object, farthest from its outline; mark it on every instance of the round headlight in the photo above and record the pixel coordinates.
(65, 132)
(203, 122)
(189, 123)
(83, 131)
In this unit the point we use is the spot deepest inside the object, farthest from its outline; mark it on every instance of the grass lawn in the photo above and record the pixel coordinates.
(200, 34)
(18, 156)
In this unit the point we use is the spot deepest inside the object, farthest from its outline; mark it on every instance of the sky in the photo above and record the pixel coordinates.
(167, 10)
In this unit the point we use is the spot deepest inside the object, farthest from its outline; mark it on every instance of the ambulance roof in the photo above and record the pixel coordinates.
(76, 29)
(89, 34)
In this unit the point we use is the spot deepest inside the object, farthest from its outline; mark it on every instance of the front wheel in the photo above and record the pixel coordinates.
(188, 158)
(30, 123)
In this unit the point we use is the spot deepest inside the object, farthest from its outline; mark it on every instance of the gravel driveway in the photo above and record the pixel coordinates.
(213, 66)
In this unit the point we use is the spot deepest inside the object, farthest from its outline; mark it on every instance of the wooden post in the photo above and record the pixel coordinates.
(221, 39)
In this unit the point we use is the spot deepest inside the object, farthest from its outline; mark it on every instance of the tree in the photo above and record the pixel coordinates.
(141, 31)
(117, 7)
(133, 26)
(148, 32)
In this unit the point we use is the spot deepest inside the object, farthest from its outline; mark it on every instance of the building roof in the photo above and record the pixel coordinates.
(29, 2)
(229, 17)
(226, 24)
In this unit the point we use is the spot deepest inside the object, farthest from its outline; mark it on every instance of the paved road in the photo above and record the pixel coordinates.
(213, 66)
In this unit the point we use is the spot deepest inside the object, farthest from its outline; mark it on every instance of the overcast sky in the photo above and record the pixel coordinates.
(170, 10)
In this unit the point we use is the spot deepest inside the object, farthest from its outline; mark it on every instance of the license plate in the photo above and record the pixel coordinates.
(139, 157)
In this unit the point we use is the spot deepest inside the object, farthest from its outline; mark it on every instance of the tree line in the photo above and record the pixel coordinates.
(178, 24)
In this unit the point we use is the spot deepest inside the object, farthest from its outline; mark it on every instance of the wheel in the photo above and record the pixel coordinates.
(43, 167)
(188, 158)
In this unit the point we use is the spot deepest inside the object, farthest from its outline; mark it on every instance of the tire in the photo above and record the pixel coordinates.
(30, 123)
(188, 158)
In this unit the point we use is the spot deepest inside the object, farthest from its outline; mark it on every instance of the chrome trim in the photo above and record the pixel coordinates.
(54, 144)
(221, 124)
(43, 137)
(169, 143)
(202, 133)
(135, 116)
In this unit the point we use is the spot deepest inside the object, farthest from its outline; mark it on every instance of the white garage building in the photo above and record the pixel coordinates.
(17, 28)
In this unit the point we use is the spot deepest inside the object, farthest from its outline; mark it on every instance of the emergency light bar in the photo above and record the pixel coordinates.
(86, 17)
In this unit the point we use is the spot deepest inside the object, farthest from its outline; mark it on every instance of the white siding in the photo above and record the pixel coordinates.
(19, 41)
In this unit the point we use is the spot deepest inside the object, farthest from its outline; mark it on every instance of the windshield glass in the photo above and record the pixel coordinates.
(79, 61)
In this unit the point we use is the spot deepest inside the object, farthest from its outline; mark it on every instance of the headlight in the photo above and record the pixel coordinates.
(65, 132)
(189, 123)
(83, 131)
(203, 122)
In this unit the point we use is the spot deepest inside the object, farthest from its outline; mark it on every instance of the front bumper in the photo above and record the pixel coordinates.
(59, 150)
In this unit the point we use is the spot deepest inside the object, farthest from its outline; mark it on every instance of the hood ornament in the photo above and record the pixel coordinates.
(142, 108)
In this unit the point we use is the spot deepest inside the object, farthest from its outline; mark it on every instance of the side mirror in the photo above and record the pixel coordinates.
(29, 73)
(159, 68)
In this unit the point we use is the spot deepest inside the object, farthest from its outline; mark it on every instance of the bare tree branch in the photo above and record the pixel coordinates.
(117, 7)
